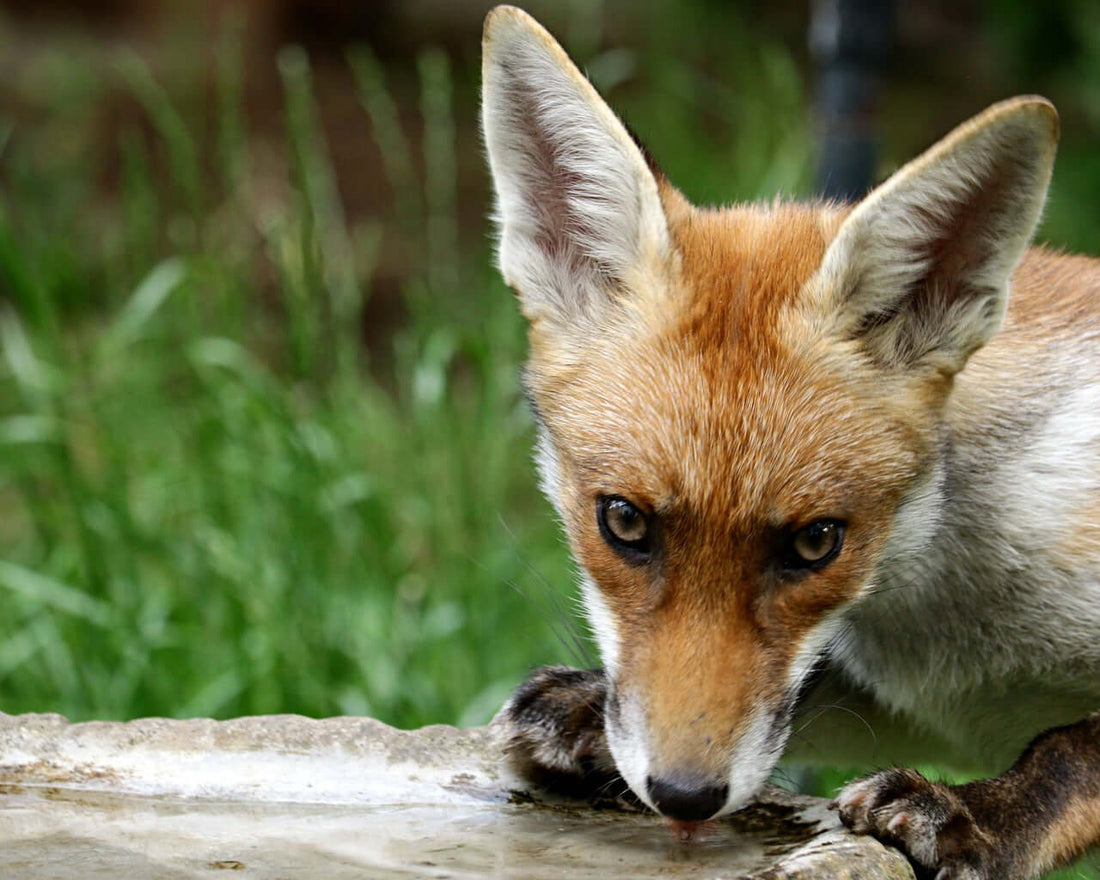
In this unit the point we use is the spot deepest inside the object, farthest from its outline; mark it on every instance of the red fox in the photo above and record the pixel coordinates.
(812, 456)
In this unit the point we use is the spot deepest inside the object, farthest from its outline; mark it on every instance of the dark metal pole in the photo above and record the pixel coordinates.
(852, 42)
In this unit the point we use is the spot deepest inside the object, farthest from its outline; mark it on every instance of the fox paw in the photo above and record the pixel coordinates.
(552, 729)
(928, 821)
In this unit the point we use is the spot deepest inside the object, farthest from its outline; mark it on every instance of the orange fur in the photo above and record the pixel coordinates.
(1075, 830)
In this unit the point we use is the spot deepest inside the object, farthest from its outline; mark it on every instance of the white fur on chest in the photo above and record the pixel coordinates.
(983, 624)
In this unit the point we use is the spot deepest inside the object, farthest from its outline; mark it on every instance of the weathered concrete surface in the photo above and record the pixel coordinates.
(290, 797)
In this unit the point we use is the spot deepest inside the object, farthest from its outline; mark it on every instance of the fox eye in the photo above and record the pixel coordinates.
(624, 527)
(814, 546)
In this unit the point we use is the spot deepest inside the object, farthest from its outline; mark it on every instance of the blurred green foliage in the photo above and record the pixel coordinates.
(210, 505)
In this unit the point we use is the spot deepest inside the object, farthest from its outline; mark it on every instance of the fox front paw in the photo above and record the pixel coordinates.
(928, 821)
(553, 732)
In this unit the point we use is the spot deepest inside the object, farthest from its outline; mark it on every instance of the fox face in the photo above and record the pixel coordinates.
(739, 410)
(721, 519)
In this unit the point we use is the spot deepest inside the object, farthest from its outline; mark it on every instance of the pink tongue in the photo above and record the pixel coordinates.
(682, 832)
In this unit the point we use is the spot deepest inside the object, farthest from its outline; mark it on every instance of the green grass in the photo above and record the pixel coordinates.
(211, 505)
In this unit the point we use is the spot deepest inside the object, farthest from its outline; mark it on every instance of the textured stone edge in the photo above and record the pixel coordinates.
(265, 758)
(288, 758)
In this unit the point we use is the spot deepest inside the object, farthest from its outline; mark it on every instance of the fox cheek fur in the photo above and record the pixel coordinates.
(793, 437)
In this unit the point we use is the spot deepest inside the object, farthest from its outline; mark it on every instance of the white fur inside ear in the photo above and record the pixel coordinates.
(577, 206)
(919, 271)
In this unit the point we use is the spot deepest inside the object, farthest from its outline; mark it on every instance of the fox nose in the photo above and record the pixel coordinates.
(691, 803)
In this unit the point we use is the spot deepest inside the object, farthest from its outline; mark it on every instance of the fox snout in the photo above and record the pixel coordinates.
(686, 799)
(696, 779)
(692, 731)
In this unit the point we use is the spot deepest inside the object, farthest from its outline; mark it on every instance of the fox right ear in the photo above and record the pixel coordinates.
(919, 271)
(577, 206)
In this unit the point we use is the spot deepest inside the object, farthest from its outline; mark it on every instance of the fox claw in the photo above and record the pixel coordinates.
(928, 821)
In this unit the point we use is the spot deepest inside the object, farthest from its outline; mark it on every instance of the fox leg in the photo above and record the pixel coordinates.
(1041, 813)
(553, 732)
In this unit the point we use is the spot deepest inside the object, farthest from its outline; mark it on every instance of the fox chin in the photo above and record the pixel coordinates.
(806, 456)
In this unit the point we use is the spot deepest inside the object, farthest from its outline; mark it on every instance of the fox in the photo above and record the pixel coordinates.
(832, 492)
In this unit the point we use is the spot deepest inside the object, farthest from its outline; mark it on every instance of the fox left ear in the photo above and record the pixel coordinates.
(577, 205)
(918, 273)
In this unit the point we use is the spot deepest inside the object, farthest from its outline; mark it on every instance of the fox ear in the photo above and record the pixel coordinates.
(576, 204)
(918, 273)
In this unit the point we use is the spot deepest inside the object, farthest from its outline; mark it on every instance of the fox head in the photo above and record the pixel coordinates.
(739, 410)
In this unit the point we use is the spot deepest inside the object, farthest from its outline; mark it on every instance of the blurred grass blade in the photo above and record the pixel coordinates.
(326, 252)
(214, 696)
(17, 649)
(440, 174)
(390, 139)
(486, 703)
(228, 354)
(141, 218)
(35, 377)
(231, 137)
(20, 284)
(53, 593)
(145, 302)
(19, 430)
(236, 360)
(182, 150)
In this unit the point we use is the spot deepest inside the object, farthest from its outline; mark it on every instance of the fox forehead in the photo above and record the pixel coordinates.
(715, 391)
(741, 267)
